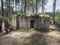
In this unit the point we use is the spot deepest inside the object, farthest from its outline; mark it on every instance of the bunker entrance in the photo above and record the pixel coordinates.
(32, 24)
(17, 22)
(0, 25)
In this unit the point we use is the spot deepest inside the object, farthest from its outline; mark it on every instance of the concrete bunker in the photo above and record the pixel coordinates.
(31, 21)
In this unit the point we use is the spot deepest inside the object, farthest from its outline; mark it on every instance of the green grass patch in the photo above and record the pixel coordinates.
(38, 40)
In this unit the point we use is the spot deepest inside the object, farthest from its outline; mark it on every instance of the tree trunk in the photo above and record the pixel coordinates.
(2, 7)
(32, 7)
(21, 7)
(9, 7)
(25, 7)
(36, 7)
(42, 6)
(54, 7)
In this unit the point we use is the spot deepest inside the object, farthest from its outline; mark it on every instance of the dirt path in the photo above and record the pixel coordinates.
(51, 38)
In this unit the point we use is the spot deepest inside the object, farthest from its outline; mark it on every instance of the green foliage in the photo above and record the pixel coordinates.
(57, 16)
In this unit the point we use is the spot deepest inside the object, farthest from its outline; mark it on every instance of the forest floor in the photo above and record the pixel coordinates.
(31, 37)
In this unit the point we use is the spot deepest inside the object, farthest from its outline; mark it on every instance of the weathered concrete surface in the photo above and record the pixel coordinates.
(25, 22)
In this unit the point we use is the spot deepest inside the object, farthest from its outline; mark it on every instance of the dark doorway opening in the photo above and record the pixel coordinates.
(17, 22)
(32, 24)
(0, 25)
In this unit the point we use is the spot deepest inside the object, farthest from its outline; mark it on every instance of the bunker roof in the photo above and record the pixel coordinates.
(36, 15)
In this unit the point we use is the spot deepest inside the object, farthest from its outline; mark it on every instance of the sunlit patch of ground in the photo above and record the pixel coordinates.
(55, 34)
(52, 27)
(18, 34)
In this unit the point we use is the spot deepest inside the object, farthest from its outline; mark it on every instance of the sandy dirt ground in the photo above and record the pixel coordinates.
(51, 37)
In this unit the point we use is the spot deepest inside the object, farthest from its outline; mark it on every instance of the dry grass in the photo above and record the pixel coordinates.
(31, 37)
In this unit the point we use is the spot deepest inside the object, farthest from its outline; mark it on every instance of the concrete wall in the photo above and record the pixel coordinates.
(24, 22)
(13, 22)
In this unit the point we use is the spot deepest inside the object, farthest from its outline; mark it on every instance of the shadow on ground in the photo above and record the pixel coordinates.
(42, 30)
(35, 39)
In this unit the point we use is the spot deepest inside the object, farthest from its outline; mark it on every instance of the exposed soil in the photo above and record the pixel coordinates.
(51, 38)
